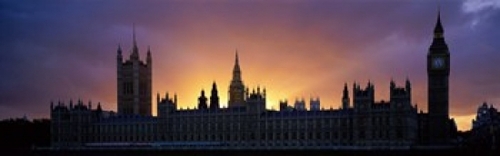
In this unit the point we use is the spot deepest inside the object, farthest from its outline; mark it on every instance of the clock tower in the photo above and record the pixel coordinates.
(438, 71)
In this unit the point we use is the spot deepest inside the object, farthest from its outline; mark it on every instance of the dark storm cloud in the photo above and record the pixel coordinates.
(474, 68)
(50, 52)
(60, 50)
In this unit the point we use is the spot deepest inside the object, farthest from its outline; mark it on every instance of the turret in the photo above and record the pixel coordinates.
(264, 94)
(400, 97)
(371, 87)
(51, 105)
(408, 84)
(408, 88)
(345, 98)
(256, 103)
(392, 85)
(149, 62)
(214, 98)
(119, 56)
(247, 93)
(166, 105)
(314, 104)
(120, 88)
(175, 98)
(202, 101)
(157, 98)
(283, 105)
(99, 107)
(300, 105)
(363, 99)
(148, 57)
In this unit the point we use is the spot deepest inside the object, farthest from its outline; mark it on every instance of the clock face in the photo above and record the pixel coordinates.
(438, 62)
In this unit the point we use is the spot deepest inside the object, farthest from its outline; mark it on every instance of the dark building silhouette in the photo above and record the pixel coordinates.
(345, 98)
(202, 101)
(23, 134)
(214, 98)
(389, 123)
(236, 88)
(367, 124)
(438, 71)
(486, 116)
(485, 133)
(247, 124)
(134, 82)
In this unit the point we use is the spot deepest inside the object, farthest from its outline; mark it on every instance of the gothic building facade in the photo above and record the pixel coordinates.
(134, 82)
(485, 133)
(367, 123)
(360, 122)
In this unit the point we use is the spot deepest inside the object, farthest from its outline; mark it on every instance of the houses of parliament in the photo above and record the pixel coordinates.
(360, 122)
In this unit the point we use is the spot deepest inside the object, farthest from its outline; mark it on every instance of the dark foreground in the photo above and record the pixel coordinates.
(447, 152)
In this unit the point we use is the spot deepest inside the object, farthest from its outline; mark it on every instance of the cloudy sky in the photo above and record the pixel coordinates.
(62, 50)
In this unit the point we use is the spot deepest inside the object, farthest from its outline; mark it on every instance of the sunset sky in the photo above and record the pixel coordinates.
(60, 50)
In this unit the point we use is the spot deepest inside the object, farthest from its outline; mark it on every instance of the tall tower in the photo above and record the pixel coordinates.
(438, 71)
(134, 82)
(236, 89)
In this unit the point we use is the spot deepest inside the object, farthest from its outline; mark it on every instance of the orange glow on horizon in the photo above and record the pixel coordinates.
(464, 122)
(189, 88)
(282, 80)
(294, 49)
(290, 62)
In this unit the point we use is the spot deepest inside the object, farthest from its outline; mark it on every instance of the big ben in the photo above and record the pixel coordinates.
(438, 72)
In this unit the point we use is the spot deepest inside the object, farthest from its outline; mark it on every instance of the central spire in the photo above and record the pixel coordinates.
(236, 70)
(237, 61)
(236, 88)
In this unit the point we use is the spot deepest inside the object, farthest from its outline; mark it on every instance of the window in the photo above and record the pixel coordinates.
(128, 88)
